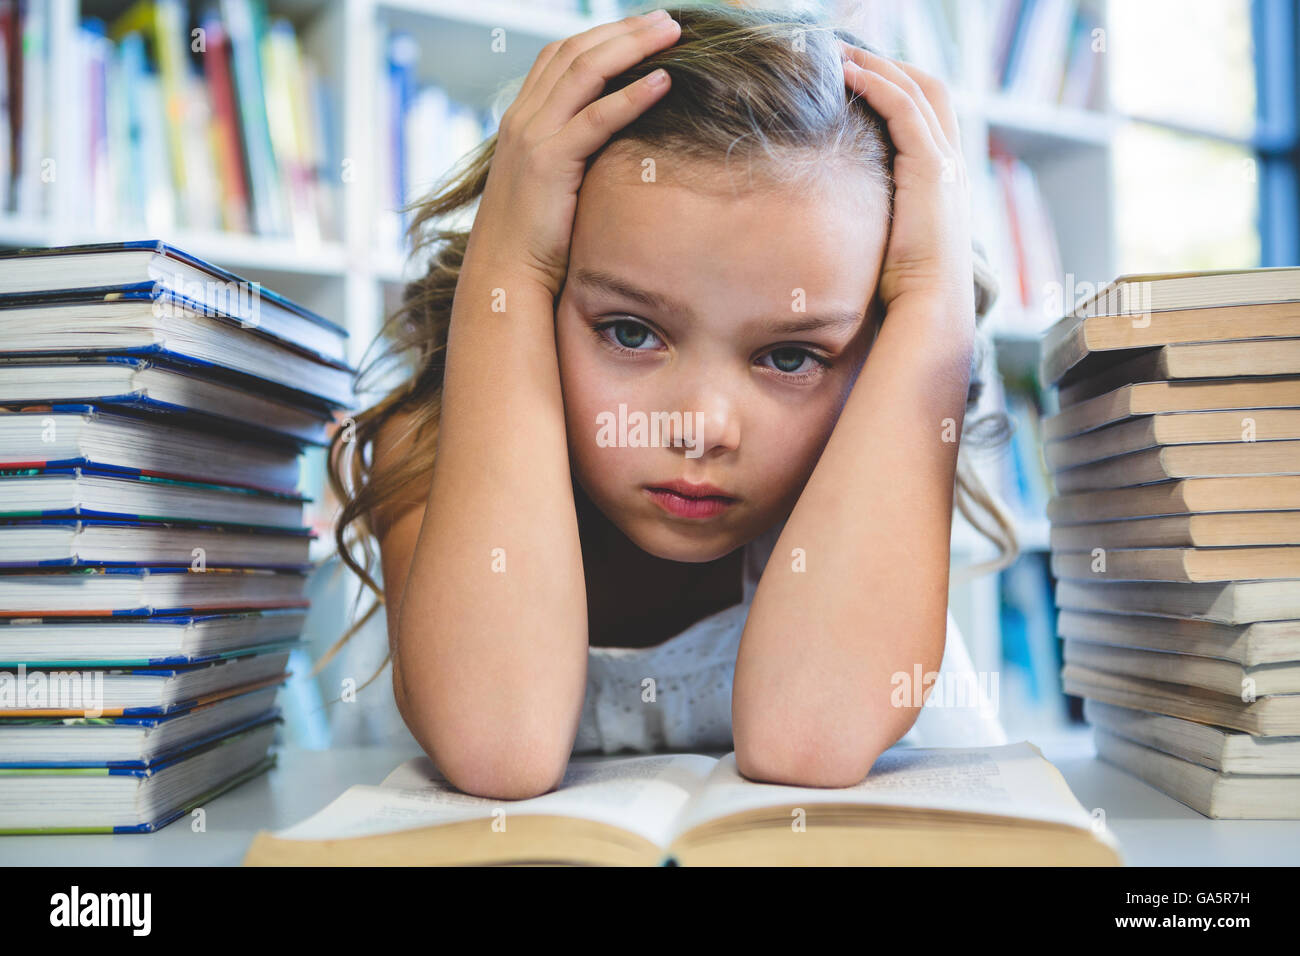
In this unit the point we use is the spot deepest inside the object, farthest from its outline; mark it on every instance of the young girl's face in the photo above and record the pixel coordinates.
(674, 301)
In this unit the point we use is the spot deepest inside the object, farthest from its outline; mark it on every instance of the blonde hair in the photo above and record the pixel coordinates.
(742, 88)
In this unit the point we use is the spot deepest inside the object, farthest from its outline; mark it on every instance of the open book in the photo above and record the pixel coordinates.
(945, 806)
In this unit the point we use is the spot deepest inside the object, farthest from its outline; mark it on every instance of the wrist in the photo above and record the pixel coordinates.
(505, 284)
(940, 318)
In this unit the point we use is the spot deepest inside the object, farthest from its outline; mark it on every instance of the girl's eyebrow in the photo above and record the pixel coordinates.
(608, 282)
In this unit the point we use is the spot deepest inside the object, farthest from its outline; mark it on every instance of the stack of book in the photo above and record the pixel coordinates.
(153, 559)
(1176, 531)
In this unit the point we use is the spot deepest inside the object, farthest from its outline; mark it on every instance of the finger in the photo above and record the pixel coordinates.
(558, 55)
(896, 75)
(936, 93)
(907, 125)
(592, 127)
(591, 70)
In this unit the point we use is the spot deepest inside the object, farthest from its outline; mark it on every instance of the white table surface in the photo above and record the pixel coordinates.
(1152, 829)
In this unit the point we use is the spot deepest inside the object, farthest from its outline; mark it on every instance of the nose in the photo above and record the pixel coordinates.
(710, 418)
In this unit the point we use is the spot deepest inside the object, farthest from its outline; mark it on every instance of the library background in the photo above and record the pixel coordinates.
(1102, 138)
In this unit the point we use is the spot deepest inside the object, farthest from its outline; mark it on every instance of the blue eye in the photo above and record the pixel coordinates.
(783, 357)
(628, 336)
(631, 336)
(789, 360)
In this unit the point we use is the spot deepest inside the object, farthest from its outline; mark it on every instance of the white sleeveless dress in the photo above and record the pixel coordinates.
(692, 674)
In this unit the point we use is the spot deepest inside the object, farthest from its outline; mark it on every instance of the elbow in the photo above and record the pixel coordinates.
(799, 766)
(515, 763)
(490, 735)
(498, 773)
(827, 757)
(522, 766)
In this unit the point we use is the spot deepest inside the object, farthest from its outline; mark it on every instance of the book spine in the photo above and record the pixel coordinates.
(327, 166)
(280, 75)
(401, 56)
(1003, 166)
(123, 201)
(243, 25)
(1008, 16)
(148, 158)
(166, 23)
(32, 168)
(1015, 49)
(12, 100)
(1079, 80)
(228, 142)
(97, 52)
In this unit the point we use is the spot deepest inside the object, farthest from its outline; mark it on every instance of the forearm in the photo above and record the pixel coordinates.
(811, 702)
(492, 636)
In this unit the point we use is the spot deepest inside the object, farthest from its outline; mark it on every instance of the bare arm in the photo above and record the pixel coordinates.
(492, 625)
(489, 633)
(812, 701)
(812, 694)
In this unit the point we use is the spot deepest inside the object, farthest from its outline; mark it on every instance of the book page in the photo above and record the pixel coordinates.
(641, 794)
(1013, 780)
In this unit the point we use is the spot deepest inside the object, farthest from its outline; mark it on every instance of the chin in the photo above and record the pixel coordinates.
(684, 544)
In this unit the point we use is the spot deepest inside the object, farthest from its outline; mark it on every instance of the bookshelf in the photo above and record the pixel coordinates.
(352, 276)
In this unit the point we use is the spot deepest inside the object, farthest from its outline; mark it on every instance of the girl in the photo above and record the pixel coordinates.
(716, 304)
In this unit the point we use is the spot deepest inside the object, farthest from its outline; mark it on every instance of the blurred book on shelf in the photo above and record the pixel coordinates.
(1175, 458)
(154, 544)
(25, 42)
(1048, 51)
(204, 119)
(1030, 696)
(934, 35)
(1024, 477)
(1024, 247)
(424, 133)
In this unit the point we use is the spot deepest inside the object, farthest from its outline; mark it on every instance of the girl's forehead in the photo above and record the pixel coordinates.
(654, 194)
(769, 245)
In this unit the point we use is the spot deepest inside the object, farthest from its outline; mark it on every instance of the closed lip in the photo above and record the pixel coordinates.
(689, 490)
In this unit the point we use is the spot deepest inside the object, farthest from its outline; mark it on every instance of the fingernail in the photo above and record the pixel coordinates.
(657, 78)
(657, 15)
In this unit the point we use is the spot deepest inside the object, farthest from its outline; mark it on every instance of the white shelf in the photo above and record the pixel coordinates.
(20, 231)
(511, 17)
(1031, 125)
